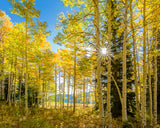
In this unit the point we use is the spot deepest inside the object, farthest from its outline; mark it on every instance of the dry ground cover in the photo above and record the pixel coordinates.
(87, 117)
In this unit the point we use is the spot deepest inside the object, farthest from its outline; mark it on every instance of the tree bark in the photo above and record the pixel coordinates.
(64, 80)
(20, 86)
(75, 58)
(9, 90)
(135, 66)
(96, 25)
(84, 97)
(144, 67)
(60, 88)
(155, 85)
(3, 76)
(68, 90)
(15, 80)
(124, 89)
(39, 78)
(3, 92)
(2, 71)
(149, 82)
(26, 75)
(43, 95)
(95, 89)
(109, 116)
(55, 86)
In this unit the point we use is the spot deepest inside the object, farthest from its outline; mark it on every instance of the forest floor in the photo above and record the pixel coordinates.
(87, 117)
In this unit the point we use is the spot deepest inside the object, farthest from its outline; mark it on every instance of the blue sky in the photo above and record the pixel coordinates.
(49, 10)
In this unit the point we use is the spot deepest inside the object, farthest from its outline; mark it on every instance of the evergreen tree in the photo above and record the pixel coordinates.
(116, 49)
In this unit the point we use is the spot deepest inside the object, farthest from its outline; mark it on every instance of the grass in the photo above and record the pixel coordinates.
(13, 117)
(86, 117)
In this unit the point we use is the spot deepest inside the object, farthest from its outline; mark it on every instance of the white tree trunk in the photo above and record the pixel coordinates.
(109, 116)
(144, 67)
(124, 89)
(155, 85)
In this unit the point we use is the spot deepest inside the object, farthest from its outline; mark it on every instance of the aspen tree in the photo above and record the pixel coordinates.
(59, 87)
(9, 90)
(135, 65)
(74, 84)
(155, 84)
(124, 89)
(144, 67)
(39, 79)
(84, 92)
(149, 80)
(20, 85)
(11, 77)
(69, 77)
(15, 79)
(64, 81)
(5, 27)
(43, 93)
(109, 69)
(26, 75)
(97, 40)
(55, 86)
(84, 68)
(25, 9)
(95, 89)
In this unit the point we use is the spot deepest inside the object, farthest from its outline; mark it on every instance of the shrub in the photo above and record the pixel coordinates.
(127, 124)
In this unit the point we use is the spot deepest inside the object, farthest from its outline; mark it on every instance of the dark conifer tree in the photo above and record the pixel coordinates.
(117, 47)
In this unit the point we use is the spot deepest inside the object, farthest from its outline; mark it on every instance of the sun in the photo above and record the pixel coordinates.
(104, 51)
